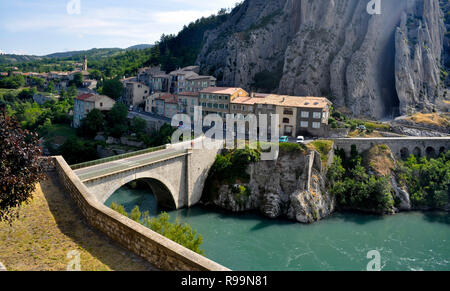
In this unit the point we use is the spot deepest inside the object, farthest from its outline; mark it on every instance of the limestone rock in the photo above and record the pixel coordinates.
(374, 65)
(291, 187)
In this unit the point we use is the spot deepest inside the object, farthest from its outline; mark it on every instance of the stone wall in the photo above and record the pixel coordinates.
(158, 250)
(401, 147)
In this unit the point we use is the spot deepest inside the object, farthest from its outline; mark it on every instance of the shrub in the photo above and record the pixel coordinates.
(427, 180)
(182, 234)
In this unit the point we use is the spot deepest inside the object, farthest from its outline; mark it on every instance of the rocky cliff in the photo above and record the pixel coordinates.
(374, 65)
(292, 187)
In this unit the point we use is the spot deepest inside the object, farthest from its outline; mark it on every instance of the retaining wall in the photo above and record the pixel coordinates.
(155, 248)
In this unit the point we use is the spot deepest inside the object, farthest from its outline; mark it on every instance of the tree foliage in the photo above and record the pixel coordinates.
(92, 124)
(427, 181)
(12, 82)
(20, 168)
(113, 88)
(354, 188)
(182, 234)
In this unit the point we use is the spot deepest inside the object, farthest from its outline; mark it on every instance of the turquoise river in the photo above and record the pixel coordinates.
(407, 241)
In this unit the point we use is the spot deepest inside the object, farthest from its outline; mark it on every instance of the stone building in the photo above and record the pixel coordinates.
(85, 103)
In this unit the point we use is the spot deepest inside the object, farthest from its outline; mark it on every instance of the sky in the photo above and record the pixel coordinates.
(40, 27)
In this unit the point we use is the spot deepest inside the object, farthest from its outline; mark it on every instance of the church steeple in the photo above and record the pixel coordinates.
(85, 62)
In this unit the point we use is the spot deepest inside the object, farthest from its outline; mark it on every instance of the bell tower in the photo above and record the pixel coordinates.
(85, 62)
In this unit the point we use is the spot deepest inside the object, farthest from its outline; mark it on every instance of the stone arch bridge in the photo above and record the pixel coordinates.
(401, 147)
(176, 174)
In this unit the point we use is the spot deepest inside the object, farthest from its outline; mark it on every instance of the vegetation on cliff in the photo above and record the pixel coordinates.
(427, 180)
(182, 234)
(354, 188)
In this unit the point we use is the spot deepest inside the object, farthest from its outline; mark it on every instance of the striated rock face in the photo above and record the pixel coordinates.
(291, 187)
(375, 65)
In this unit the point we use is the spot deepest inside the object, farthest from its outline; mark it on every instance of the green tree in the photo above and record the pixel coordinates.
(117, 120)
(113, 88)
(92, 124)
(20, 168)
(78, 80)
(138, 125)
(76, 151)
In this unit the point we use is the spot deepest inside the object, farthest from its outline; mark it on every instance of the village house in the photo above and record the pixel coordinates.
(218, 99)
(160, 83)
(165, 105)
(197, 83)
(135, 93)
(85, 103)
(145, 75)
(187, 101)
(43, 97)
(306, 116)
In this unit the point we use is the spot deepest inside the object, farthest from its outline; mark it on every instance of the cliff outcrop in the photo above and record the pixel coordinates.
(375, 65)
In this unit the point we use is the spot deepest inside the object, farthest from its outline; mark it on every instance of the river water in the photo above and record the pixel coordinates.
(249, 242)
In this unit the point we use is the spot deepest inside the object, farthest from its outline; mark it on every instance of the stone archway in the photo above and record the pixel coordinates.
(442, 150)
(161, 191)
(404, 153)
(430, 152)
(417, 152)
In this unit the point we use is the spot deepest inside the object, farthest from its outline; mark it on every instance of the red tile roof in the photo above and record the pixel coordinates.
(169, 98)
(85, 96)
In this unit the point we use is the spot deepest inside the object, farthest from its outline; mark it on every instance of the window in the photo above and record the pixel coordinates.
(101, 104)
(316, 125)
(317, 115)
(288, 112)
(209, 105)
(286, 120)
(305, 114)
(216, 106)
(304, 124)
(221, 106)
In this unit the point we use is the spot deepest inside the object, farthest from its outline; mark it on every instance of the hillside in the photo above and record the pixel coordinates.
(375, 65)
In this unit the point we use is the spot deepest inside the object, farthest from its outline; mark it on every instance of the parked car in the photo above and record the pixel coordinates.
(284, 139)
(300, 139)
(361, 127)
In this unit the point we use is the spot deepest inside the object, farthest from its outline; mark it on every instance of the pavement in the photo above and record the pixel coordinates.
(122, 165)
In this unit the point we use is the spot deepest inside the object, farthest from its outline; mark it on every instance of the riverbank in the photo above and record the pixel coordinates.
(50, 227)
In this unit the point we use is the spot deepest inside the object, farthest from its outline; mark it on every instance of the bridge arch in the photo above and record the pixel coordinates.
(417, 152)
(404, 153)
(430, 152)
(161, 189)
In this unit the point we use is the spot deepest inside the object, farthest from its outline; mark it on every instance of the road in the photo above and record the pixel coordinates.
(122, 165)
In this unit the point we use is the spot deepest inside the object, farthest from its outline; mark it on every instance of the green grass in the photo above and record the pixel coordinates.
(323, 147)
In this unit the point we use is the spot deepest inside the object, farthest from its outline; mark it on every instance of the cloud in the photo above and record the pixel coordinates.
(132, 25)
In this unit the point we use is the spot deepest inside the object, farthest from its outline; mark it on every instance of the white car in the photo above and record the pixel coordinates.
(300, 139)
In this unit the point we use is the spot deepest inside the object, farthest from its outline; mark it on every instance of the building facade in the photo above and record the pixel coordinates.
(85, 103)
(135, 93)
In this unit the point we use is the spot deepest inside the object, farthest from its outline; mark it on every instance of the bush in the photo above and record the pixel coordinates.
(355, 189)
(292, 148)
(182, 234)
(427, 180)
